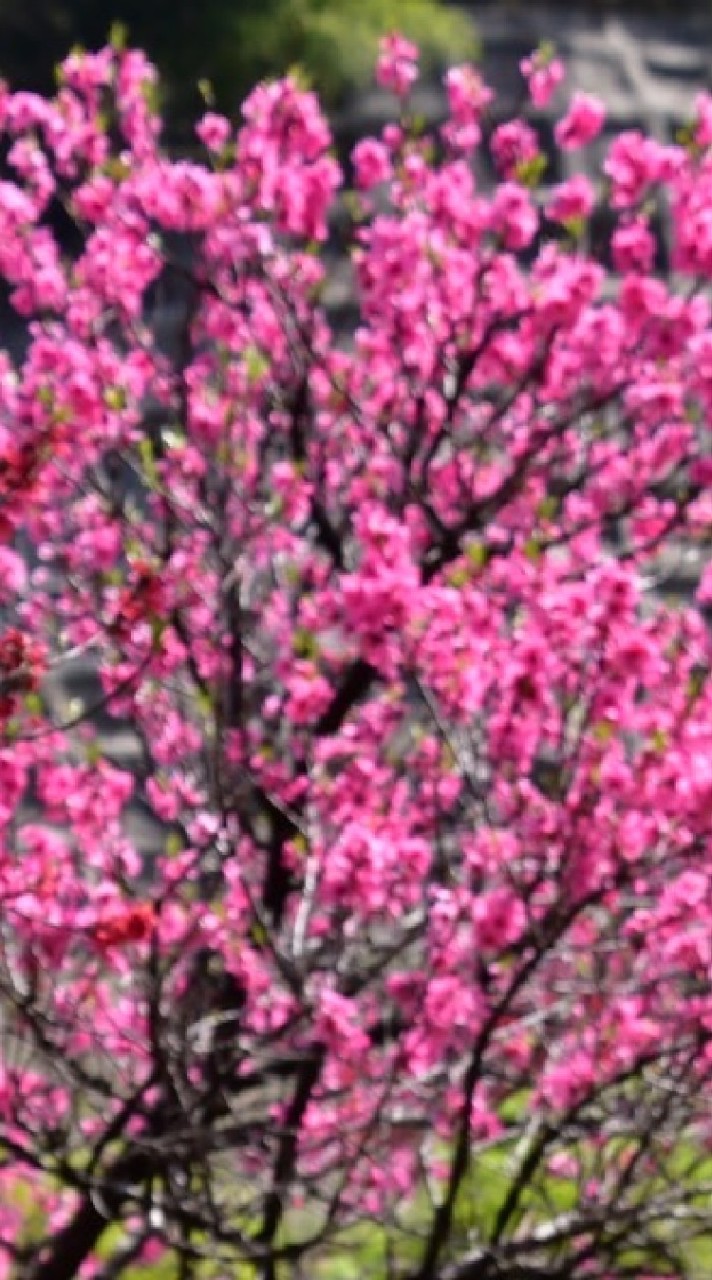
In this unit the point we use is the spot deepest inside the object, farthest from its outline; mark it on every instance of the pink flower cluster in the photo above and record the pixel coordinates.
(543, 72)
(582, 123)
(428, 764)
(397, 67)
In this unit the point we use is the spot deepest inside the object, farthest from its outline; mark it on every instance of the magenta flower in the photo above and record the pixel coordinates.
(582, 123)
(543, 75)
(397, 66)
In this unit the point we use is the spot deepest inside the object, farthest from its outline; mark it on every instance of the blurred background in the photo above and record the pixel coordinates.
(231, 43)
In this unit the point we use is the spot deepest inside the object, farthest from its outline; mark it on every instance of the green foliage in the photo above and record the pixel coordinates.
(229, 44)
(336, 43)
(372, 1251)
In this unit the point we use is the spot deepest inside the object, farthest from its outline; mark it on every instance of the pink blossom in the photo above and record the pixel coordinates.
(513, 145)
(543, 75)
(338, 1024)
(13, 575)
(514, 217)
(704, 590)
(371, 163)
(213, 131)
(572, 200)
(467, 94)
(703, 120)
(633, 164)
(365, 623)
(499, 919)
(567, 1081)
(309, 694)
(633, 246)
(582, 123)
(563, 1165)
(397, 67)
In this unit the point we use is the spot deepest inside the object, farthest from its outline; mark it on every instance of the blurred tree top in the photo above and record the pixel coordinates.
(230, 43)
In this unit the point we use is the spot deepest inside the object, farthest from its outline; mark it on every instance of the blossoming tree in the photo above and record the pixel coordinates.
(420, 985)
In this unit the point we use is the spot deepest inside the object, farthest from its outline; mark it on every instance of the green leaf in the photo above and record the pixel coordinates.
(115, 398)
(305, 643)
(696, 683)
(158, 630)
(301, 77)
(477, 553)
(576, 227)
(148, 462)
(548, 508)
(258, 935)
(226, 157)
(118, 36)
(93, 753)
(300, 846)
(116, 169)
(530, 172)
(151, 95)
(603, 731)
(514, 1108)
(533, 549)
(353, 204)
(205, 705)
(256, 364)
(173, 845)
(206, 91)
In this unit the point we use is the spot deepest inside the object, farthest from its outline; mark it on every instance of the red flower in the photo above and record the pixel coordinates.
(22, 662)
(121, 926)
(138, 602)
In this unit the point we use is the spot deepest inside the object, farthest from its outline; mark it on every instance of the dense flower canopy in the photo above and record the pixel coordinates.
(430, 941)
